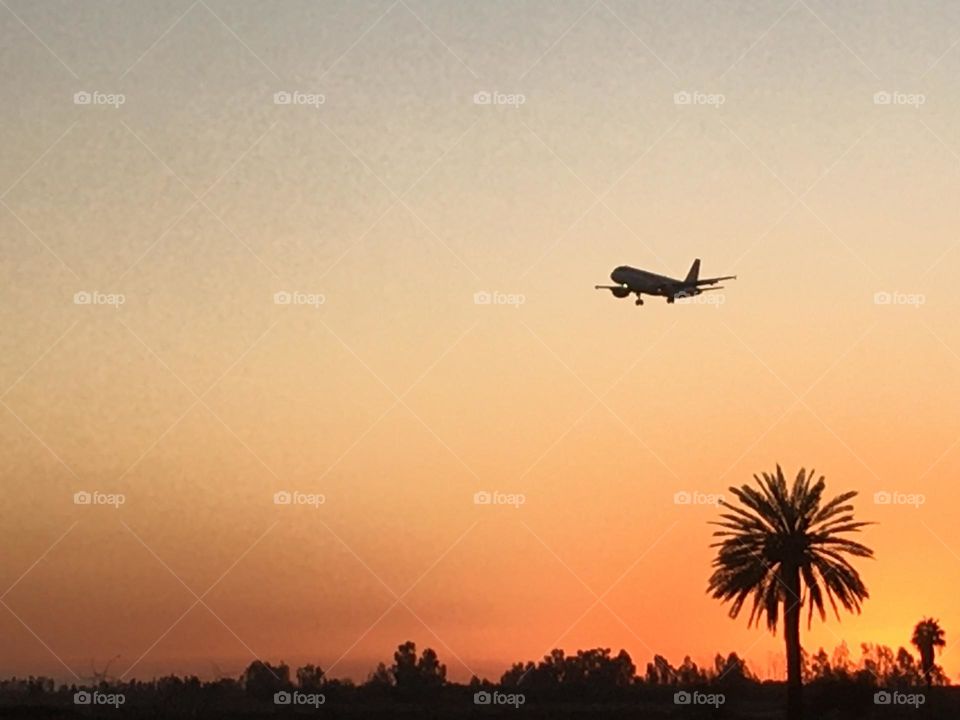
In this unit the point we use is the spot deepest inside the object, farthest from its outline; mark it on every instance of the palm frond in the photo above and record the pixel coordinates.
(772, 530)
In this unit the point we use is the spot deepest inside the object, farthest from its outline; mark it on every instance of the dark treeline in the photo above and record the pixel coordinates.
(836, 681)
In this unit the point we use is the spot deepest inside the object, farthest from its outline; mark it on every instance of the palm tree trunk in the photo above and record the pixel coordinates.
(791, 632)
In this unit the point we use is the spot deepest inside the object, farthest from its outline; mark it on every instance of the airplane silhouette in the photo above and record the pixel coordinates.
(631, 280)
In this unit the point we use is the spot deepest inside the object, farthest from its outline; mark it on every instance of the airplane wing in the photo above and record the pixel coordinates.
(711, 281)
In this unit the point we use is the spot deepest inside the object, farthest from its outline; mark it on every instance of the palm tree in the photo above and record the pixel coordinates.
(780, 545)
(928, 635)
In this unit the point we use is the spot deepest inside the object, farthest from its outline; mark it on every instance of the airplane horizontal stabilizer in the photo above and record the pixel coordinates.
(710, 281)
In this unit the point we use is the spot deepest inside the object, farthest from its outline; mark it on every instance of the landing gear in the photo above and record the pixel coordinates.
(639, 299)
(670, 299)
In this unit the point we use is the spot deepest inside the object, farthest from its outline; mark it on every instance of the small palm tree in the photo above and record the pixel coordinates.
(780, 545)
(928, 636)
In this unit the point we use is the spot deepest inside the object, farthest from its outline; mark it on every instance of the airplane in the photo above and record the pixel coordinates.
(631, 280)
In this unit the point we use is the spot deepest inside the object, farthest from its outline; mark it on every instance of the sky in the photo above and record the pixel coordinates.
(346, 251)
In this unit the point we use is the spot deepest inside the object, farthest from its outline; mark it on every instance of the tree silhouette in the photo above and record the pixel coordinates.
(731, 670)
(927, 637)
(689, 674)
(779, 544)
(415, 677)
(661, 672)
(261, 679)
(405, 666)
(906, 672)
(381, 679)
(593, 673)
(310, 678)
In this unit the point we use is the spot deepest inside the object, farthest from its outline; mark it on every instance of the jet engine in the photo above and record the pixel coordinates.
(620, 292)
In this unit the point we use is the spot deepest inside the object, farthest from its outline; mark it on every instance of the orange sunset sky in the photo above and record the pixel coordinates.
(184, 207)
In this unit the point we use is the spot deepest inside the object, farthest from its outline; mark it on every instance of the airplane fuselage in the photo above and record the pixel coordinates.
(647, 283)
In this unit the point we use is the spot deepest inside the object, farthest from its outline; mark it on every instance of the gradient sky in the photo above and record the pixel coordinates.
(399, 198)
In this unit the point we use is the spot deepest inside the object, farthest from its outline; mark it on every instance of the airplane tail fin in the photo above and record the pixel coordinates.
(694, 273)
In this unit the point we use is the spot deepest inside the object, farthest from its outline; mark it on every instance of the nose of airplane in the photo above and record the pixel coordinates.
(617, 276)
